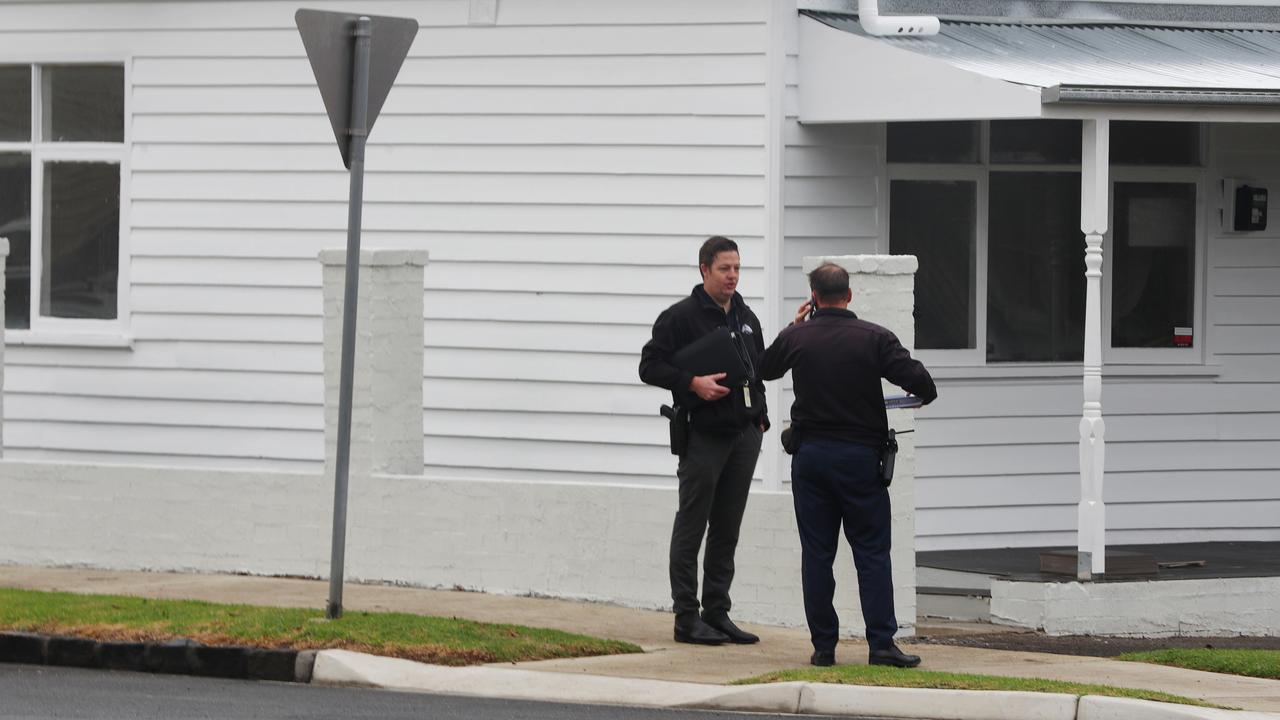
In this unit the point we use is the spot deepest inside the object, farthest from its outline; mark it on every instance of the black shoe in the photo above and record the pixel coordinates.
(894, 657)
(721, 622)
(694, 630)
(823, 658)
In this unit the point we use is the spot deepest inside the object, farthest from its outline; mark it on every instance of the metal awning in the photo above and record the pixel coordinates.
(974, 70)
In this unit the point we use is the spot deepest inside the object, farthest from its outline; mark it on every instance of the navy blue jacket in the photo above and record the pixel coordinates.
(837, 361)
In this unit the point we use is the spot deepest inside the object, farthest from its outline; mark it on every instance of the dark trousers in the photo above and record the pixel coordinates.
(833, 482)
(715, 479)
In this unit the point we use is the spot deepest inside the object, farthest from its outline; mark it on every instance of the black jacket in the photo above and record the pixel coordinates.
(681, 324)
(837, 362)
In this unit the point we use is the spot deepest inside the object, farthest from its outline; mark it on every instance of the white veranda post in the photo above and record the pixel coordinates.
(1094, 199)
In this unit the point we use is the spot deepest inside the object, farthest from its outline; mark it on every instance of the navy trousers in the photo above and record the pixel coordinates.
(834, 482)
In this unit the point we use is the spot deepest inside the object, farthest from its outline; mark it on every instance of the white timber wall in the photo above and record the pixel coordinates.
(831, 198)
(1192, 454)
(561, 167)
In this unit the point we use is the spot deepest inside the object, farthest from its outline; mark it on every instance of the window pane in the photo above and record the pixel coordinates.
(81, 240)
(1035, 261)
(15, 103)
(1035, 141)
(1155, 143)
(83, 103)
(1153, 279)
(933, 142)
(936, 221)
(15, 224)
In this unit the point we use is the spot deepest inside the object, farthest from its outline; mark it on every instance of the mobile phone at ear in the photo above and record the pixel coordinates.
(813, 304)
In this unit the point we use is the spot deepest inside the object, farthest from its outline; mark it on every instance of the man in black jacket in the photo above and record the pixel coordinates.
(839, 421)
(726, 426)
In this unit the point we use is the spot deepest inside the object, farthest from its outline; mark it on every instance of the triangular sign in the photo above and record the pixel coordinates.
(330, 46)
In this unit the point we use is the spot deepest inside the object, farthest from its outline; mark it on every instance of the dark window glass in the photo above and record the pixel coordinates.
(1035, 141)
(1152, 276)
(15, 224)
(15, 103)
(1035, 261)
(83, 103)
(937, 222)
(81, 240)
(933, 142)
(1155, 143)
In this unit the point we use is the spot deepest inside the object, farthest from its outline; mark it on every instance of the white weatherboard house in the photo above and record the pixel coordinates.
(1083, 185)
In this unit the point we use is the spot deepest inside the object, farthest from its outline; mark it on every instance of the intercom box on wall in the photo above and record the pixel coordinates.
(1244, 206)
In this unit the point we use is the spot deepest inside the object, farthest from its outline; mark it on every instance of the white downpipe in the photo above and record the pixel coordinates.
(873, 24)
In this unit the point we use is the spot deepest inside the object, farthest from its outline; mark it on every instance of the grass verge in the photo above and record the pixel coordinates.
(444, 641)
(1232, 661)
(894, 677)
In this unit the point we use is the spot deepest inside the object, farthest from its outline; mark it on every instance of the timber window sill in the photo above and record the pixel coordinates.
(28, 338)
(1073, 372)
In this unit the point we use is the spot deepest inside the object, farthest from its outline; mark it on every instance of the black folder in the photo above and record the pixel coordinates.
(715, 352)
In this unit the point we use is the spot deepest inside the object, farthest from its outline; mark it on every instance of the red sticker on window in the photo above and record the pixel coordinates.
(1182, 337)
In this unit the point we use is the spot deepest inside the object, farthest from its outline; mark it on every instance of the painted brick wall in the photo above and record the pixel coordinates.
(591, 542)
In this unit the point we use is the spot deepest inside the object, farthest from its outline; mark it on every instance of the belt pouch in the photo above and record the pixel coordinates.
(679, 418)
(888, 455)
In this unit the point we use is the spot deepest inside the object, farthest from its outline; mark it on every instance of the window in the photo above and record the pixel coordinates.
(945, 287)
(992, 209)
(1035, 280)
(62, 149)
(1153, 261)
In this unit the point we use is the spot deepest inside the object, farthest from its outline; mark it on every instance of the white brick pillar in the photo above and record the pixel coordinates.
(386, 406)
(4, 259)
(884, 291)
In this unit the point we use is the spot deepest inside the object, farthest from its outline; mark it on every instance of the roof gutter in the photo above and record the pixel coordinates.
(1106, 94)
(898, 25)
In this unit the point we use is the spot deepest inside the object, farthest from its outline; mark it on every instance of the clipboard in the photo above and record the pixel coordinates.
(715, 352)
(898, 402)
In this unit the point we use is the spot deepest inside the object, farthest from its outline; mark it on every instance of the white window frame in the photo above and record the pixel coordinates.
(47, 330)
(981, 174)
(1179, 175)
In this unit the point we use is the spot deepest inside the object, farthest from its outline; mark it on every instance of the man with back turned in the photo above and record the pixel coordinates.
(723, 442)
(840, 425)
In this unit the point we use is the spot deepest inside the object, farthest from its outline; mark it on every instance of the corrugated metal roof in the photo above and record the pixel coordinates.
(1124, 56)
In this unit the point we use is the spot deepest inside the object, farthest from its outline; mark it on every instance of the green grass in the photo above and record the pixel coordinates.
(446, 641)
(894, 677)
(1253, 663)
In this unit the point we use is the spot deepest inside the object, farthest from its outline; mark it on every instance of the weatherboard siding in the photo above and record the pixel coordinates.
(561, 167)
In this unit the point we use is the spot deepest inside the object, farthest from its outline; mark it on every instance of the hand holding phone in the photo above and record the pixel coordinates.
(804, 312)
(813, 304)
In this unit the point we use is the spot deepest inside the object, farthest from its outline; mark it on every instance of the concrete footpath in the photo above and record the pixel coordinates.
(672, 674)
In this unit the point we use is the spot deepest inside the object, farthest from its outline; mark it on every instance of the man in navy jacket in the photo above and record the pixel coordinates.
(839, 422)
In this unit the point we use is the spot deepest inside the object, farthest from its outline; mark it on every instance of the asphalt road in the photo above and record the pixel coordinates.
(29, 692)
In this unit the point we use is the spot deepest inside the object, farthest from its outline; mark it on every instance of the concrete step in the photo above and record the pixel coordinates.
(952, 603)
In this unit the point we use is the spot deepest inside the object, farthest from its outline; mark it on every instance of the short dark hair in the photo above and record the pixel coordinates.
(829, 282)
(714, 246)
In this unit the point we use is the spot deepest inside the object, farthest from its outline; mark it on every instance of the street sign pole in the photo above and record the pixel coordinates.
(358, 133)
(354, 77)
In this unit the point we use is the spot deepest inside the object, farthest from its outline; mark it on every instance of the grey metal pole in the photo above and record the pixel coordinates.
(359, 133)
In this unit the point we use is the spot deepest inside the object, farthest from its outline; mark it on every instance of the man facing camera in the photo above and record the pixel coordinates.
(725, 424)
(839, 428)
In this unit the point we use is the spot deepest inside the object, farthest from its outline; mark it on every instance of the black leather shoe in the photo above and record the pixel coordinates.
(693, 630)
(823, 658)
(721, 622)
(894, 657)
